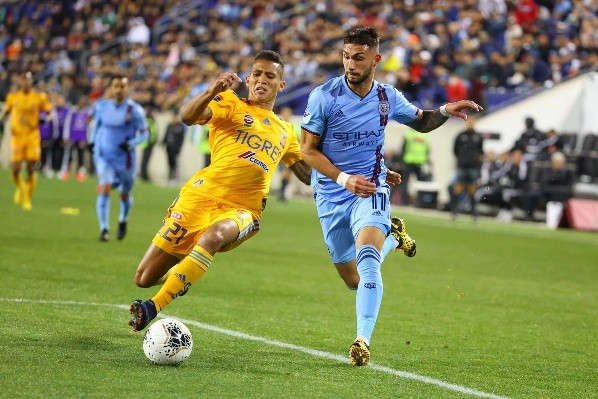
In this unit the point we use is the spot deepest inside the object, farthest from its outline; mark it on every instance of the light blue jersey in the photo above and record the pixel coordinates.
(351, 130)
(116, 124)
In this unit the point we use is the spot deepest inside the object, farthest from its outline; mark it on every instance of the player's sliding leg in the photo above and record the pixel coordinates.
(182, 276)
(231, 228)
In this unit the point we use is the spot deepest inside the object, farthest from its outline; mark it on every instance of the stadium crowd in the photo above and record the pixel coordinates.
(434, 51)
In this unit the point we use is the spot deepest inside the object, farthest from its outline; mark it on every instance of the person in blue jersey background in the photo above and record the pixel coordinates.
(343, 141)
(120, 125)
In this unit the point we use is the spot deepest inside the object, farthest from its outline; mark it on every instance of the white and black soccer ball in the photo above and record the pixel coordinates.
(167, 342)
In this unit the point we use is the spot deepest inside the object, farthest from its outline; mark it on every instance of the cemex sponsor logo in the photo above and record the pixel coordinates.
(250, 156)
(369, 286)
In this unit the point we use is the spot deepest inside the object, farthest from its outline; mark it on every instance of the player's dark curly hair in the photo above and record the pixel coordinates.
(363, 35)
(269, 55)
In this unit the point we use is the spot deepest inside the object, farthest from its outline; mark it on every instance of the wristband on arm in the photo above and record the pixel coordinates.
(342, 179)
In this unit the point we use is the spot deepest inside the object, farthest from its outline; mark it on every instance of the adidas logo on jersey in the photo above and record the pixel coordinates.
(266, 122)
(376, 213)
(339, 114)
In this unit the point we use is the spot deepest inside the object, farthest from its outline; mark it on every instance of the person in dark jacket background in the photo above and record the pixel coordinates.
(173, 141)
(469, 151)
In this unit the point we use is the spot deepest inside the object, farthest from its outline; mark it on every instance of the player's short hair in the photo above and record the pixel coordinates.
(364, 36)
(269, 55)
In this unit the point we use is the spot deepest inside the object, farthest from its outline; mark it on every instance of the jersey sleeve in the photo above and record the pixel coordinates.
(314, 117)
(293, 154)
(404, 111)
(222, 106)
(140, 125)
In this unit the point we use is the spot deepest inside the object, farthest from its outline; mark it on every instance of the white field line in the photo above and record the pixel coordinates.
(279, 344)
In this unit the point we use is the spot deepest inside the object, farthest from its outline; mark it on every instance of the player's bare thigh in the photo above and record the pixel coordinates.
(154, 265)
(219, 235)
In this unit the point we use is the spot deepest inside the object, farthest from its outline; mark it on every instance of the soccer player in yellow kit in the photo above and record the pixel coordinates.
(25, 106)
(220, 207)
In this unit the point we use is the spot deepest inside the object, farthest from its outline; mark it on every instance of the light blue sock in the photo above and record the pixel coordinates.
(389, 245)
(103, 210)
(369, 291)
(125, 208)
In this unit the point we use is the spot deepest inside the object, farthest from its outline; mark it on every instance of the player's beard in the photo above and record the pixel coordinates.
(362, 78)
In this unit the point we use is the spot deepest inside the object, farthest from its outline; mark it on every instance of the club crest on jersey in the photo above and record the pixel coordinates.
(384, 107)
(306, 117)
(250, 156)
(248, 120)
(283, 139)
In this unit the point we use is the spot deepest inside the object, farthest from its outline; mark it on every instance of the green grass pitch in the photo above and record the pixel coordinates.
(486, 310)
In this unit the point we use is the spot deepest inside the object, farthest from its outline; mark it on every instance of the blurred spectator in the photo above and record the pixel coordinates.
(173, 141)
(557, 182)
(530, 141)
(148, 145)
(469, 151)
(139, 32)
(415, 157)
(75, 139)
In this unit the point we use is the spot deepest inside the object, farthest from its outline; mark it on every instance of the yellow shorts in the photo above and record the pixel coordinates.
(25, 149)
(188, 217)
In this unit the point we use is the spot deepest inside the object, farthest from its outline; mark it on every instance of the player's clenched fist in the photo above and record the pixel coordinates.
(225, 80)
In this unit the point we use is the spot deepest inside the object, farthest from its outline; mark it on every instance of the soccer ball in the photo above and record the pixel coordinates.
(167, 342)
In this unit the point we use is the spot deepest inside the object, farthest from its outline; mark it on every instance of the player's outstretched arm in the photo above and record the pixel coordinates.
(432, 119)
(302, 170)
(196, 110)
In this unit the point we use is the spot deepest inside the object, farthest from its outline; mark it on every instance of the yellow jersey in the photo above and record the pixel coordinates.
(25, 109)
(247, 143)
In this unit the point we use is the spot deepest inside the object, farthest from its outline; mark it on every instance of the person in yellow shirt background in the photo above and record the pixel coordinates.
(25, 107)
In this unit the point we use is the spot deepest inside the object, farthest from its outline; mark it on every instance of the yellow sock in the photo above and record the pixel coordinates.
(30, 185)
(188, 271)
(20, 191)
(165, 277)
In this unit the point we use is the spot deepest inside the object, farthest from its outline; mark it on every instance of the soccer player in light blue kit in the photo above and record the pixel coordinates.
(120, 126)
(343, 141)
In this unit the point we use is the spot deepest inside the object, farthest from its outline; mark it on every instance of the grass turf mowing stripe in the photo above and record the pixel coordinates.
(279, 344)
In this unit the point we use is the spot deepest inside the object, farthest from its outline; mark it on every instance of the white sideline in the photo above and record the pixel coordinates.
(313, 352)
